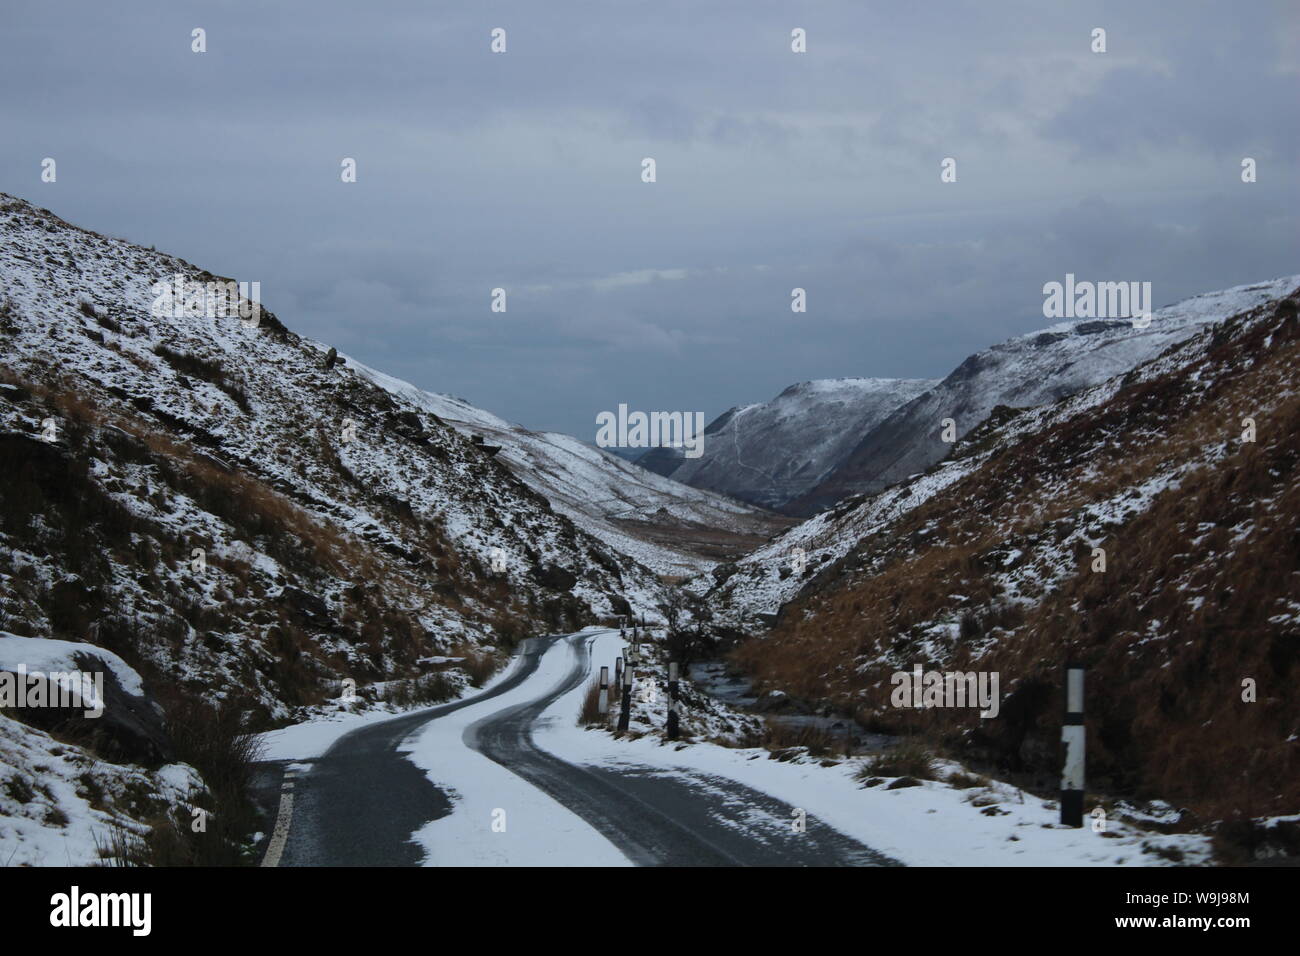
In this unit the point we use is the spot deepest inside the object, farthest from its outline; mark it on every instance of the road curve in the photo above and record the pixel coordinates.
(362, 800)
(659, 818)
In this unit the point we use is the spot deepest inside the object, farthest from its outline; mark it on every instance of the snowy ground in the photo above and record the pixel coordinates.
(531, 829)
(59, 803)
(311, 738)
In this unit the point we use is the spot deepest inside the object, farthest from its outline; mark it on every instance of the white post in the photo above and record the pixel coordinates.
(604, 690)
(1073, 737)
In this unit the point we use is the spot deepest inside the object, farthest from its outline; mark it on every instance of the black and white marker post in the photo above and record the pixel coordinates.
(625, 698)
(604, 690)
(1072, 735)
(618, 672)
(672, 700)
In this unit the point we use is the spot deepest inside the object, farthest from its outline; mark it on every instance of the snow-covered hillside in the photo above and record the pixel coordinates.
(771, 452)
(762, 581)
(1028, 370)
(603, 494)
(215, 502)
(754, 588)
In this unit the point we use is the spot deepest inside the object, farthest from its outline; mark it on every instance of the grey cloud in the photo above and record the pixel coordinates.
(775, 170)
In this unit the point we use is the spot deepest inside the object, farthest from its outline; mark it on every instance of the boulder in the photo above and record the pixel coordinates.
(113, 715)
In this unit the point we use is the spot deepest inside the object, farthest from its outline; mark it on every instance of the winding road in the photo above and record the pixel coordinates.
(361, 801)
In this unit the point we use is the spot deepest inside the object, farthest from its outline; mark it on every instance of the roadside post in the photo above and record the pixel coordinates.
(1072, 735)
(672, 700)
(604, 690)
(625, 699)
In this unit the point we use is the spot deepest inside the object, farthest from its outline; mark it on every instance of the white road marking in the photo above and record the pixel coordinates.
(280, 835)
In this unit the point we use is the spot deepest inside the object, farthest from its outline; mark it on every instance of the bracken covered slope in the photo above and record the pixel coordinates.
(1184, 474)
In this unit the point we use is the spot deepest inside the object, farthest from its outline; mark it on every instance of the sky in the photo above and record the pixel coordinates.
(775, 170)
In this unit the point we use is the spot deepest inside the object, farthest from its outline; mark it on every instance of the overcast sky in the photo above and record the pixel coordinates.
(522, 170)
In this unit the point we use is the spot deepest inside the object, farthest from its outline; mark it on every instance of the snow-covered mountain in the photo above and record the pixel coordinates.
(1144, 527)
(771, 575)
(771, 452)
(1028, 370)
(821, 441)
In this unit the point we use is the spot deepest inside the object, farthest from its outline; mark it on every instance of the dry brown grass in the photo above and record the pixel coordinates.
(478, 665)
(590, 715)
(910, 758)
(213, 741)
(817, 741)
(420, 691)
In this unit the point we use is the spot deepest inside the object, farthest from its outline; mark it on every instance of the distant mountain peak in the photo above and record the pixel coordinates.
(770, 452)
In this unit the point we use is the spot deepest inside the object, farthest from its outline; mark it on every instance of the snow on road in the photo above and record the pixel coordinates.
(311, 738)
(538, 831)
(930, 825)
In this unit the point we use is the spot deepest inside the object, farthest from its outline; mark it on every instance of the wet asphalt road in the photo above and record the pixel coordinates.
(361, 801)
